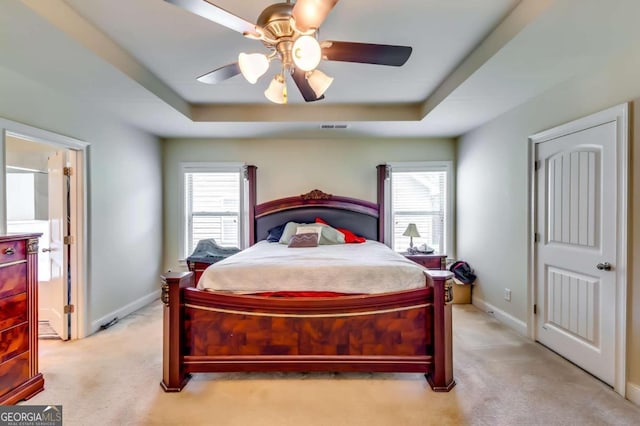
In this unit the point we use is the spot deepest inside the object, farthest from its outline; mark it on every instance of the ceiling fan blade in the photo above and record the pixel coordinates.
(221, 74)
(311, 13)
(303, 85)
(365, 53)
(216, 14)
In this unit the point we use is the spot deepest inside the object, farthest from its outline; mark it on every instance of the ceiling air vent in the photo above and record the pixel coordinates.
(334, 126)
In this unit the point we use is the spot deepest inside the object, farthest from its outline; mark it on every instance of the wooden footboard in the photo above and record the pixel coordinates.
(408, 331)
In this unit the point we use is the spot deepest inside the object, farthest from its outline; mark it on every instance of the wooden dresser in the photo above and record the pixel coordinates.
(19, 376)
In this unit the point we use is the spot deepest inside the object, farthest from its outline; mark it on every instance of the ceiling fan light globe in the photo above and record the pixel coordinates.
(311, 13)
(319, 82)
(277, 90)
(306, 53)
(253, 66)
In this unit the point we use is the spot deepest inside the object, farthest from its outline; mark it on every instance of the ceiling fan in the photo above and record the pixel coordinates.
(290, 31)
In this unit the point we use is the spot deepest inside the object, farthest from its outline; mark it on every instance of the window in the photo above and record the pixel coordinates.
(420, 193)
(214, 205)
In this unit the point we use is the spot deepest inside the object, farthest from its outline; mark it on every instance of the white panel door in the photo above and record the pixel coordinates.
(58, 283)
(576, 223)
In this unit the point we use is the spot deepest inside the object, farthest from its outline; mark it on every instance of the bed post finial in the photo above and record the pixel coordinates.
(441, 376)
(316, 194)
(174, 377)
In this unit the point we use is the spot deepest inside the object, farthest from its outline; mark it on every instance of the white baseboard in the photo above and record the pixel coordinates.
(633, 393)
(125, 310)
(502, 316)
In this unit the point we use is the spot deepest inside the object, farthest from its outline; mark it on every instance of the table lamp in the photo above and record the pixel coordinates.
(411, 231)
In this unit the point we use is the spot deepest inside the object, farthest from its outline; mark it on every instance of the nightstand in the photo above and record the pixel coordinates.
(207, 252)
(198, 267)
(429, 261)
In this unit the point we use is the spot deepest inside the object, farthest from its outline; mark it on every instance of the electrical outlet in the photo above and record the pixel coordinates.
(507, 294)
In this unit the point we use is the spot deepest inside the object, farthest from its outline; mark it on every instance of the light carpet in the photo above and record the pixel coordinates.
(112, 378)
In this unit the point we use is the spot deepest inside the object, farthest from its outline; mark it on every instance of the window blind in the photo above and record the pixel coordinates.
(212, 204)
(419, 197)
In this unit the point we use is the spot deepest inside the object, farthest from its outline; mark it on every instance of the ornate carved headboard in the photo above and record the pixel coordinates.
(359, 216)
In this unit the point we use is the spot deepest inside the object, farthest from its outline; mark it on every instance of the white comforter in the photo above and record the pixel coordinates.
(370, 267)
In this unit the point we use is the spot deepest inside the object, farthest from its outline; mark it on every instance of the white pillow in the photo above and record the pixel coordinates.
(310, 229)
(292, 228)
(326, 234)
(331, 235)
(288, 232)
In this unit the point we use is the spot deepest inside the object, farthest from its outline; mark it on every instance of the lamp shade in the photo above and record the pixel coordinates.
(319, 82)
(306, 53)
(411, 231)
(253, 66)
(277, 90)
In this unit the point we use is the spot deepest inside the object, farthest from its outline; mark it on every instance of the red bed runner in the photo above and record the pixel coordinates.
(303, 294)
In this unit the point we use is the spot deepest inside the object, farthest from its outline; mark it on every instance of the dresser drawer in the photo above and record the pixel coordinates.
(11, 251)
(13, 279)
(14, 341)
(13, 310)
(13, 373)
(19, 376)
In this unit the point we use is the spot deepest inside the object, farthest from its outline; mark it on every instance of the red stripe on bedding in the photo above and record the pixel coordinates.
(303, 294)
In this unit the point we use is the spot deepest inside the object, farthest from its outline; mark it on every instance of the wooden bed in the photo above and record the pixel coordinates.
(405, 331)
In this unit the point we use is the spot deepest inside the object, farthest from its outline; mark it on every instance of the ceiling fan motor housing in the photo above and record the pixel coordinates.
(275, 20)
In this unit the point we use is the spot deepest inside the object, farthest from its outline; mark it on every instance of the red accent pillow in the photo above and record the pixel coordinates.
(349, 237)
(320, 220)
(303, 294)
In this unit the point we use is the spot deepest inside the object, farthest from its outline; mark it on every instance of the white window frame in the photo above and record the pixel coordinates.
(422, 166)
(213, 167)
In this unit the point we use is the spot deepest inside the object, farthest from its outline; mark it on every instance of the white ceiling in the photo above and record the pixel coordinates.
(472, 60)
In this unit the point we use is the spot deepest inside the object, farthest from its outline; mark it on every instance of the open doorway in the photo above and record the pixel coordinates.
(43, 187)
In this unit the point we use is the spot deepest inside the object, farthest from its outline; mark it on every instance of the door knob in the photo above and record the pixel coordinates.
(44, 250)
(606, 266)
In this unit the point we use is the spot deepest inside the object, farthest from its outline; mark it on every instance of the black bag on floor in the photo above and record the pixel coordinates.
(463, 272)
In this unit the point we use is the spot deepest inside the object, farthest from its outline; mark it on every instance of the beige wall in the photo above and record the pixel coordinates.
(492, 189)
(293, 166)
(125, 193)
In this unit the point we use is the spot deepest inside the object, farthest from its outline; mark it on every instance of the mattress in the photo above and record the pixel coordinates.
(366, 268)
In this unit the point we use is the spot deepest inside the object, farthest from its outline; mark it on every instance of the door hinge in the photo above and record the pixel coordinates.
(68, 239)
(536, 237)
(69, 309)
(67, 171)
(536, 165)
(535, 309)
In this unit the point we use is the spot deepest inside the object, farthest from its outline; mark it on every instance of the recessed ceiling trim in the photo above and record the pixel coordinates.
(307, 113)
(64, 17)
(523, 14)
(61, 15)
